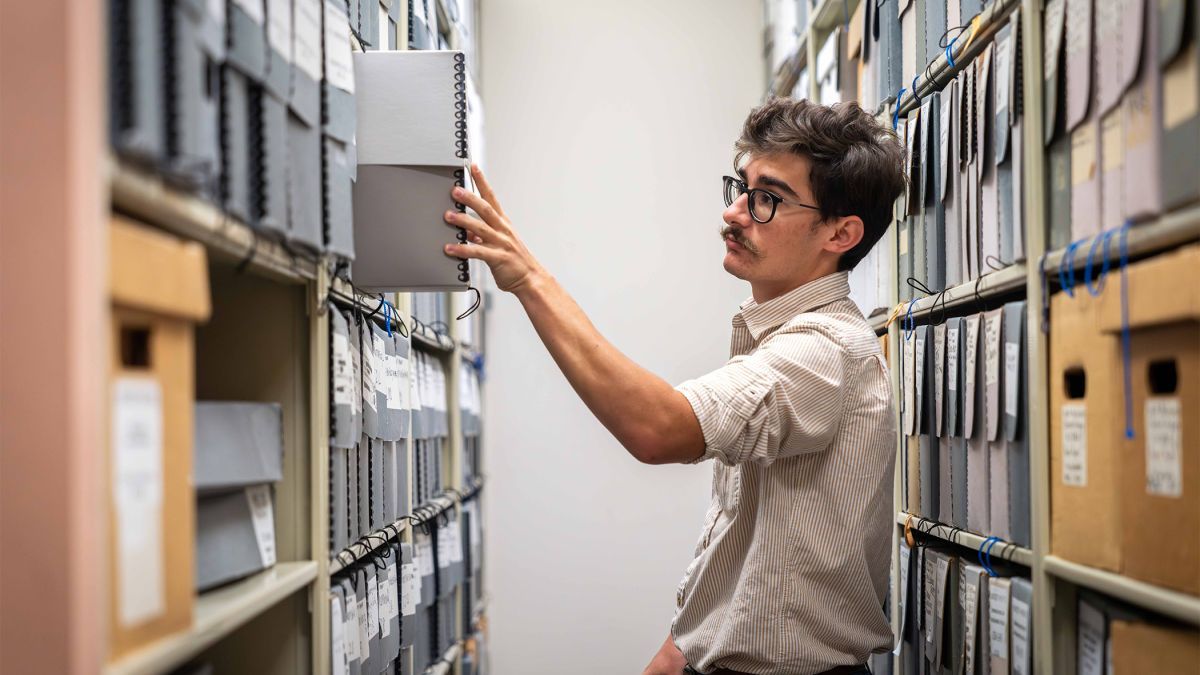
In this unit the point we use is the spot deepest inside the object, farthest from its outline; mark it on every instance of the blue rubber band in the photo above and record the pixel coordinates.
(949, 52)
(896, 112)
(910, 323)
(387, 316)
(979, 553)
(988, 553)
(1106, 238)
(1066, 268)
(914, 86)
(1045, 295)
(1125, 339)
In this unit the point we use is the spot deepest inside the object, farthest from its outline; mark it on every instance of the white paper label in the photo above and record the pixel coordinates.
(395, 400)
(1020, 637)
(920, 365)
(263, 518)
(385, 609)
(339, 68)
(393, 595)
(443, 548)
(373, 607)
(952, 358)
(454, 541)
(929, 588)
(970, 605)
(425, 556)
(1090, 640)
(476, 531)
(410, 582)
(253, 9)
(1003, 59)
(939, 365)
(905, 556)
(337, 638)
(1164, 469)
(402, 385)
(343, 376)
(306, 39)
(992, 354)
(279, 27)
(998, 593)
(972, 352)
(380, 365)
(137, 485)
(909, 393)
(353, 626)
(356, 380)
(370, 373)
(1012, 377)
(364, 632)
(1074, 444)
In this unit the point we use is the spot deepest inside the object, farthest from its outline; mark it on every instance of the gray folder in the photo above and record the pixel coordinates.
(389, 418)
(389, 643)
(935, 30)
(1003, 139)
(227, 545)
(1016, 429)
(364, 578)
(304, 192)
(1021, 642)
(339, 499)
(246, 47)
(238, 160)
(403, 353)
(958, 475)
(380, 484)
(342, 432)
(354, 528)
(978, 501)
(197, 50)
(338, 101)
(1181, 120)
(308, 64)
(950, 193)
(928, 443)
(278, 76)
(356, 372)
(934, 225)
(406, 622)
(337, 611)
(337, 195)
(269, 191)
(137, 124)
(364, 486)
(346, 591)
(237, 444)
(371, 424)
(391, 474)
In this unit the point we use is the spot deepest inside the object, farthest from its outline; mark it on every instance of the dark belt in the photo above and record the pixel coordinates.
(839, 670)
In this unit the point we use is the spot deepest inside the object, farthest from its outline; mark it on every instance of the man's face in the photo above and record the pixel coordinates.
(783, 251)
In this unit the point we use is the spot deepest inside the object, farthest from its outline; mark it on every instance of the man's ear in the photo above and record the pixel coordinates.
(846, 233)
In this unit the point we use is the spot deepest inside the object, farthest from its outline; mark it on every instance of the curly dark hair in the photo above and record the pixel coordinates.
(857, 164)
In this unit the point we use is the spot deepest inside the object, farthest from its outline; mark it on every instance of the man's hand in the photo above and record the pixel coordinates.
(668, 661)
(492, 237)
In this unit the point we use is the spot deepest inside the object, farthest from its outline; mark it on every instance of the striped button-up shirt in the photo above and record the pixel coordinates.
(791, 571)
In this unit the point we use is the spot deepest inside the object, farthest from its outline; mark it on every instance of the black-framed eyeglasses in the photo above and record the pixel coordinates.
(762, 203)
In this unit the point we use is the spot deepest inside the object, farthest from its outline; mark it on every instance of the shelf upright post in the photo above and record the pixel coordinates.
(1037, 362)
(319, 387)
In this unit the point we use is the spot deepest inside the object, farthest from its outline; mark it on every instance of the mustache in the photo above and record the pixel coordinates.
(735, 233)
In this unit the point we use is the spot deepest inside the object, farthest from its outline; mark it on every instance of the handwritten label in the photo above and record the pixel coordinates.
(343, 378)
(905, 557)
(364, 632)
(1074, 444)
(373, 606)
(952, 358)
(137, 485)
(410, 583)
(1164, 469)
(424, 554)
(929, 585)
(969, 587)
(908, 397)
(393, 596)
(1090, 645)
(992, 347)
(352, 637)
(337, 637)
(1012, 377)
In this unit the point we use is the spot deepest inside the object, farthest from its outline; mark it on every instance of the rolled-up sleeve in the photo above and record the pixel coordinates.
(784, 399)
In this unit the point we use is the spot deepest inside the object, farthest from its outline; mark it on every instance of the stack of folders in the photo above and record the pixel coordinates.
(374, 623)
(442, 548)
(471, 409)
(964, 409)
(430, 309)
(248, 103)
(412, 135)
(472, 529)
(431, 426)
(959, 617)
(371, 420)
(1117, 639)
(238, 456)
(422, 24)
(1124, 436)
(1121, 126)
(961, 217)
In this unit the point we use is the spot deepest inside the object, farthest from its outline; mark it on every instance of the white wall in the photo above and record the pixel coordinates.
(609, 125)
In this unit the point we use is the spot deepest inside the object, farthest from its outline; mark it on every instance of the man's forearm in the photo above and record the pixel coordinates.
(650, 418)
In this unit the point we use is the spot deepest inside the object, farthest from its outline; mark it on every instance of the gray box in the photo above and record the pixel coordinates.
(379, 484)
(390, 644)
(342, 433)
(337, 100)
(197, 45)
(370, 401)
(354, 528)
(278, 77)
(237, 444)
(237, 159)
(227, 544)
(269, 189)
(374, 662)
(364, 487)
(339, 500)
(308, 60)
(338, 188)
(246, 48)
(137, 124)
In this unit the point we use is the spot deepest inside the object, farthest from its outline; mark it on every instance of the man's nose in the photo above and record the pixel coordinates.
(737, 213)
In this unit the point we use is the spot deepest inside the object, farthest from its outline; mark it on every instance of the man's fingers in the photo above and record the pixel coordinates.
(477, 252)
(471, 224)
(479, 205)
(485, 189)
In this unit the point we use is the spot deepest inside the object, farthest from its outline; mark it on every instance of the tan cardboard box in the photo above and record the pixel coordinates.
(1142, 648)
(1084, 461)
(1160, 480)
(159, 291)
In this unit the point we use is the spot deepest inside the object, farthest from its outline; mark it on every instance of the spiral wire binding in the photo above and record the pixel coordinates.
(460, 144)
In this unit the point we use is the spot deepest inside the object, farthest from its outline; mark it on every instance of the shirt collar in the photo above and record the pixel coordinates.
(771, 314)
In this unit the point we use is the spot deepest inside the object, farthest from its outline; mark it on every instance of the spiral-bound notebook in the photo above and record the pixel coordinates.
(412, 149)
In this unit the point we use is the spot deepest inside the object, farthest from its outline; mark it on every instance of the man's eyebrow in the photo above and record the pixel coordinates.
(741, 173)
(774, 182)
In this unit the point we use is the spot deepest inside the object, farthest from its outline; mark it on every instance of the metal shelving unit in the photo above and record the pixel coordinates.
(218, 613)
(1055, 580)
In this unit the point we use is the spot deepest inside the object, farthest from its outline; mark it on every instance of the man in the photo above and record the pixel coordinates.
(790, 573)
